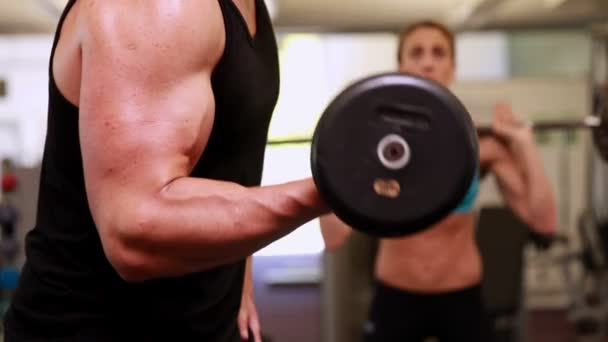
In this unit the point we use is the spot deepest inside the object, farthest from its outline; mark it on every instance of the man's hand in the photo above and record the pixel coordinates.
(248, 320)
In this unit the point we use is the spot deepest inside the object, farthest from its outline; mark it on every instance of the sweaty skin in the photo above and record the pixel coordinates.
(445, 256)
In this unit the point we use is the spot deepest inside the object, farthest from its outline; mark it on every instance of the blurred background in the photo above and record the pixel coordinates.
(548, 58)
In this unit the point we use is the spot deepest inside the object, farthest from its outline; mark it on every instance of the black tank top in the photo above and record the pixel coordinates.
(68, 290)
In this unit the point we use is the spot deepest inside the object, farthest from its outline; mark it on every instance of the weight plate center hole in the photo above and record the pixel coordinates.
(393, 152)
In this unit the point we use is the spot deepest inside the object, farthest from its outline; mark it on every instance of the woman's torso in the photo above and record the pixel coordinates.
(441, 258)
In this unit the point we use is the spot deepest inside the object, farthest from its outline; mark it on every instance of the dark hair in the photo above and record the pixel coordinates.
(426, 24)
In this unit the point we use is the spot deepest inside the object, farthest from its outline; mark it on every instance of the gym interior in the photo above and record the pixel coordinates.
(547, 58)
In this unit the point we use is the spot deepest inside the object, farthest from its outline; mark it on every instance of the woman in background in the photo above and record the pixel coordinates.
(428, 284)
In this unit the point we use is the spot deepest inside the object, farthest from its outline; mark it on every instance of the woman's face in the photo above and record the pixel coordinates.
(426, 52)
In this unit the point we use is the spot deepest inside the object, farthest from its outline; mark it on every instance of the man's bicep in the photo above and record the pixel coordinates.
(144, 116)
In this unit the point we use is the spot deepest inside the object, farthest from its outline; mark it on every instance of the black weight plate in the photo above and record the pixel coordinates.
(384, 199)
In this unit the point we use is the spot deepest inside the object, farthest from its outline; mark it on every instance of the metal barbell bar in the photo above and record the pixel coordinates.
(588, 122)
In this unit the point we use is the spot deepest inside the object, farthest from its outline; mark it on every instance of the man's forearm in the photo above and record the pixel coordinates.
(196, 224)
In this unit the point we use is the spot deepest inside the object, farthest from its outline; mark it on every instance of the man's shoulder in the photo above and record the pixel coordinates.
(144, 28)
(160, 17)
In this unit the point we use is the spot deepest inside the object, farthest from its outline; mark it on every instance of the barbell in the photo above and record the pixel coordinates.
(597, 123)
(590, 121)
(394, 153)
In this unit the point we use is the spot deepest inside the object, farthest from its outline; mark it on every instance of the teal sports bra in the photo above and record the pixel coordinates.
(468, 202)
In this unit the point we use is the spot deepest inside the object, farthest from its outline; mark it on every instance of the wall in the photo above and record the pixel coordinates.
(558, 53)
(24, 66)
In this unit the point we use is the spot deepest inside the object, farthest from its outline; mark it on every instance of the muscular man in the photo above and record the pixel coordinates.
(150, 199)
(428, 284)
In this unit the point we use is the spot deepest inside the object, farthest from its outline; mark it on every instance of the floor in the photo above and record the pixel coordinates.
(553, 326)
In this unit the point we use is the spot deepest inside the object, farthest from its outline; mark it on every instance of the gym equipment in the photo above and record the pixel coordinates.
(8, 177)
(9, 182)
(393, 153)
(593, 122)
(8, 219)
(588, 300)
(9, 249)
(597, 123)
